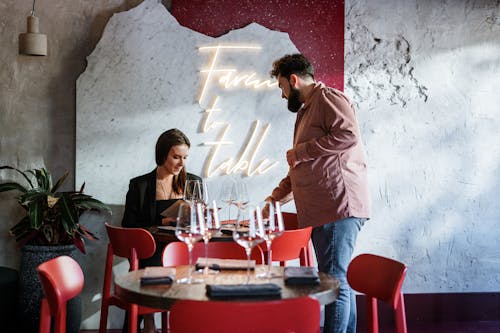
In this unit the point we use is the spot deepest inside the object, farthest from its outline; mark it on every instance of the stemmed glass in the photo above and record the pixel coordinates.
(210, 215)
(192, 191)
(239, 193)
(189, 229)
(273, 226)
(248, 230)
(227, 198)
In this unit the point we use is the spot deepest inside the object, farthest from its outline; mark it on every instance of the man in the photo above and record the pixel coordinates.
(327, 177)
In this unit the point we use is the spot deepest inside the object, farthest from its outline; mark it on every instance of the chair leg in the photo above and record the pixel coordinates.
(164, 322)
(44, 317)
(372, 314)
(103, 322)
(60, 321)
(400, 315)
(133, 313)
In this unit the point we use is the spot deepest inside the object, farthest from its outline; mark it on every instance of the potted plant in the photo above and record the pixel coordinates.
(49, 229)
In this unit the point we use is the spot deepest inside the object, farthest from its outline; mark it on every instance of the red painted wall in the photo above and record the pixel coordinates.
(316, 27)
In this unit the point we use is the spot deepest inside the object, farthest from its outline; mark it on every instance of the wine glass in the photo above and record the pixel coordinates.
(239, 193)
(189, 229)
(273, 226)
(226, 197)
(210, 215)
(248, 230)
(192, 191)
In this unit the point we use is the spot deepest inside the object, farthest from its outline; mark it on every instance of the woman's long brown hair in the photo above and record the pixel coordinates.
(167, 139)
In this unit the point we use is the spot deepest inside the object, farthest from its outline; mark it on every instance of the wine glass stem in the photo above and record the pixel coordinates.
(205, 240)
(248, 251)
(269, 258)
(190, 251)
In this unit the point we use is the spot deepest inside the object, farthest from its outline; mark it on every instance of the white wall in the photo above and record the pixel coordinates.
(425, 75)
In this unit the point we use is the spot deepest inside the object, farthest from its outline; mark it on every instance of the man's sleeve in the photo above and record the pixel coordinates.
(283, 192)
(339, 121)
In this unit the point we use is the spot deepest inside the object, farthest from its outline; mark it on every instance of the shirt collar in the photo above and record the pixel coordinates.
(317, 87)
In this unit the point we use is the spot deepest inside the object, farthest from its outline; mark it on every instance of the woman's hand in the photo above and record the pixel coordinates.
(168, 220)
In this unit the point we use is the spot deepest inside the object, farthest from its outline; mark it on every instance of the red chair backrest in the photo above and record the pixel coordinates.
(61, 279)
(130, 243)
(298, 315)
(176, 253)
(289, 245)
(379, 278)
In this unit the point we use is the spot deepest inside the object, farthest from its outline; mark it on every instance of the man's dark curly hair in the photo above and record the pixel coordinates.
(292, 64)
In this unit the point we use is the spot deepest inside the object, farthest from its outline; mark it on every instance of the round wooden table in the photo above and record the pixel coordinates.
(129, 288)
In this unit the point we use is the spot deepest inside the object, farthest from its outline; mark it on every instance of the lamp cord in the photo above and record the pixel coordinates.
(33, 10)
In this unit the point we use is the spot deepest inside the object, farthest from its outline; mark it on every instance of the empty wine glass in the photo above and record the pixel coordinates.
(248, 230)
(273, 226)
(189, 229)
(192, 191)
(226, 197)
(209, 213)
(240, 194)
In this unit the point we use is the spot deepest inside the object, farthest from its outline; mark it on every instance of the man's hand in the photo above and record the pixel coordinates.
(291, 158)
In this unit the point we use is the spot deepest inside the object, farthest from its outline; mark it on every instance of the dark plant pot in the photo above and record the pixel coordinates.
(30, 290)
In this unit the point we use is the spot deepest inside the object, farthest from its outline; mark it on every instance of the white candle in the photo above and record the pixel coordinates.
(281, 224)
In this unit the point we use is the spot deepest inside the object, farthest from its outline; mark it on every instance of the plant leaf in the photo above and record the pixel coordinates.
(12, 186)
(80, 244)
(59, 182)
(86, 233)
(92, 204)
(69, 214)
(22, 173)
(35, 213)
(82, 188)
(32, 196)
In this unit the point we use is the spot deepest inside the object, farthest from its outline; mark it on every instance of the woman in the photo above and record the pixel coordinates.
(150, 194)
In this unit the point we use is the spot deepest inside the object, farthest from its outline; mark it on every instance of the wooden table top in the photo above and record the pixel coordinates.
(128, 287)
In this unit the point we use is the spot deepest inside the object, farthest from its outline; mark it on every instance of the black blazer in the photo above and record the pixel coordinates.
(140, 204)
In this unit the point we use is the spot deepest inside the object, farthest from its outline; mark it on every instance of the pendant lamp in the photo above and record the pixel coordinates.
(33, 42)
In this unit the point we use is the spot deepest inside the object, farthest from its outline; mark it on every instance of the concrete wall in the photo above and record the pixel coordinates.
(425, 76)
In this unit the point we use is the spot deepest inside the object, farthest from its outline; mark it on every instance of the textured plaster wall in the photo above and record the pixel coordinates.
(424, 75)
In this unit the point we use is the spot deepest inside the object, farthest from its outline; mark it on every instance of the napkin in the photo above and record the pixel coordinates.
(300, 275)
(157, 275)
(223, 264)
(243, 290)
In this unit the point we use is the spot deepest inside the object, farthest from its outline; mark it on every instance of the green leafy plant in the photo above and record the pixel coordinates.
(52, 217)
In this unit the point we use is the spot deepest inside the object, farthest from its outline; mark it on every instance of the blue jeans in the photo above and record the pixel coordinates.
(334, 244)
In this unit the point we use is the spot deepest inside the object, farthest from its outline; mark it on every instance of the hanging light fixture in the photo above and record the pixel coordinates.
(33, 42)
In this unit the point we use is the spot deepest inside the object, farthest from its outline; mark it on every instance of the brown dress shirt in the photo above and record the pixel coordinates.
(330, 182)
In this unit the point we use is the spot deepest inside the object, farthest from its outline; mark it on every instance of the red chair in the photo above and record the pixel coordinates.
(379, 278)
(291, 223)
(298, 315)
(292, 244)
(176, 253)
(133, 244)
(61, 279)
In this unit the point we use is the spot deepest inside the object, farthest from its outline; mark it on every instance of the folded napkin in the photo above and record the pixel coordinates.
(157, 275)
(223, 264)
(300, 275)
(243, 290)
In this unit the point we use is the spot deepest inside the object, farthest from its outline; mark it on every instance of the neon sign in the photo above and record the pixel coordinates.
(230, 78)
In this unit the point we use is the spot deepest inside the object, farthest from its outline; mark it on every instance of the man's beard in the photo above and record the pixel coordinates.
(294, 102)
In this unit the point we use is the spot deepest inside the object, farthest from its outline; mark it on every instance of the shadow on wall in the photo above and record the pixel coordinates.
(92, 265)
